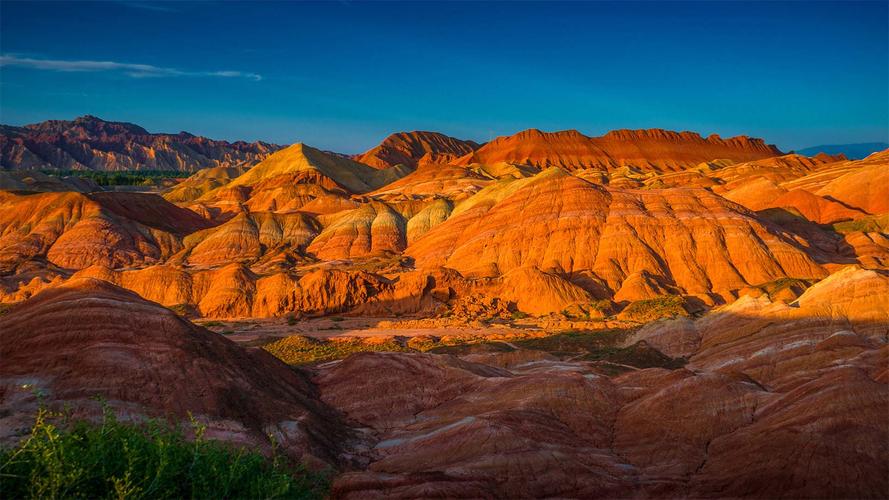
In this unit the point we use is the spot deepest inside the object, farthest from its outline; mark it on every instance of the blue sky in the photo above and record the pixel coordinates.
(344, 75)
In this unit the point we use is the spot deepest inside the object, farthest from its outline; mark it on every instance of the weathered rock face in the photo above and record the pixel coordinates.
(374, 228)
(89, 338)
(416, 148)
(865, 188)
(234, 291)
(536, 292)
(90, 143)
(481, 428)
(451, 181)
(778, 402)
(691, 238)
(779, 338)
(74, 231)
(249, 236)
(655, 149)
(799, 184)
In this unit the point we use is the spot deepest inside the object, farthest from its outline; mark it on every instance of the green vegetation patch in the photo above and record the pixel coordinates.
(119, 178)
(639, 355)
(643, 311)
(471, 348)
(211, 324)
(184, 310)
(299, 349)
(871, 224)
(63, 459)
(574, 342)
(793, 286)
(591, 310)
(602, 346)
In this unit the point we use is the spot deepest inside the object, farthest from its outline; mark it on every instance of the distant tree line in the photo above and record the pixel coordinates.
(120, 177)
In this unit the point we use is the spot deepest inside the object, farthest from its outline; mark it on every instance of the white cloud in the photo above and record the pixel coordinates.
(132, 70)
(155, 6)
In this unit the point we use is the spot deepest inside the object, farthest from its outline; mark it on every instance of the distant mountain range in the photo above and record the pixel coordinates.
(90, 143)
(852, 151)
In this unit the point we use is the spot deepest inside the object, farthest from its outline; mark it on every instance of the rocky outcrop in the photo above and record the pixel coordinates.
(90, 143)
(539, 293)
(373, 228)
(249, 236)
(234, 291)
(416, 148)
(865, 188)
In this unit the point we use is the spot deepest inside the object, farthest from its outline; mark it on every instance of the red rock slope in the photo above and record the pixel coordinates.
(73, 230)
(778, 402)
(413, 148)
(89, 338)
(655, 149)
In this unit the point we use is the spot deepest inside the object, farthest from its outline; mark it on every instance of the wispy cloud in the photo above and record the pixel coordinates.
(129, 69)
(155, 6)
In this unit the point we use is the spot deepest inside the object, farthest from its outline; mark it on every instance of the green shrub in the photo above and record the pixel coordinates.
(519, 315)
(62, 459)
(573, 342)
(603, 347)
(667, 306)
(795, 285)
(472, 348)
(300, 349)
(870, 224)
(119, 178)
(184, 310)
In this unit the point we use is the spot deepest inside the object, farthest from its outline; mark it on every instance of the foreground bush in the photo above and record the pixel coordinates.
(63, 459)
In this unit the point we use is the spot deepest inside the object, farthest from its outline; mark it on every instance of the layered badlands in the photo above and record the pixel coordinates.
(776, 400)
(770, 380)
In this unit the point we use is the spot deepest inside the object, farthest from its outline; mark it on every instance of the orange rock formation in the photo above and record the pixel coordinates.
(655, 149)
(416, 148)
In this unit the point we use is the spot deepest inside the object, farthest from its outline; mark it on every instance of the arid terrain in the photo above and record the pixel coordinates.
(645, 314)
